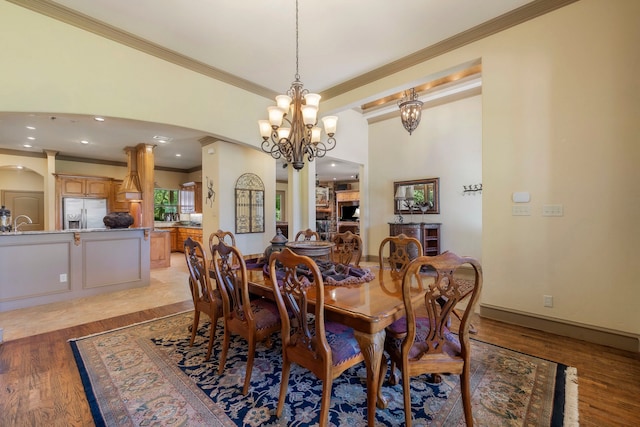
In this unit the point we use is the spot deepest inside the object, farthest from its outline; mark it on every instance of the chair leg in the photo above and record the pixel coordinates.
(194, 328)
(393, 376)
(406, 391)
(325, 402)
(212, 336)
(284, 384)
(249, 369)
(225, 349)
(472, 329)
(466, 394)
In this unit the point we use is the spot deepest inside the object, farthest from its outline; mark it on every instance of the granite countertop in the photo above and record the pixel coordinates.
(163, 224)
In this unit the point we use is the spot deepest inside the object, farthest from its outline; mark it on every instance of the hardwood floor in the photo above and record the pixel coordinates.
(41, 385)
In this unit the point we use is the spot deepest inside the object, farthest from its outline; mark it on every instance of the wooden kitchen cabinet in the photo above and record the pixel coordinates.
(160, 249)
(183, 233)
(82, 186)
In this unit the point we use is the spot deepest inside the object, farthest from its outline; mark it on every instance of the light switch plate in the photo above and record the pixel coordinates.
(552, 210)
(520, 210)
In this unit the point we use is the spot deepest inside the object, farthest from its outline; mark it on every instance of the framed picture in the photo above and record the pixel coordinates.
(322, 197)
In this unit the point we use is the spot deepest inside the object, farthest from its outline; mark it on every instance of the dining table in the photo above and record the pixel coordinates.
(367, 307)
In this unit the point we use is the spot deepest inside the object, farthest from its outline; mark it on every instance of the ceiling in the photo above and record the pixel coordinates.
(251, 44)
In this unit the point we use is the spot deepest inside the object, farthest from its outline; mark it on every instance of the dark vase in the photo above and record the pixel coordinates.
(118, 220)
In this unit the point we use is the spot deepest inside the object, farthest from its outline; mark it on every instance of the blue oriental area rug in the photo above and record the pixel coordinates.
(147, 375)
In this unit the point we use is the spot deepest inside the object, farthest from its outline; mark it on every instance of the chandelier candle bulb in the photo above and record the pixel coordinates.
(283, 133)
(330, 124)
(316, 134)
(283, 102)
(312, 99)
(265, 128)
(309, 114)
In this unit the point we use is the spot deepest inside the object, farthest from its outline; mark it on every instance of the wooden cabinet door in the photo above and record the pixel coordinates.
(72, 187)
(97, 188)
(174, 240)
(117, 201)
(198, 197)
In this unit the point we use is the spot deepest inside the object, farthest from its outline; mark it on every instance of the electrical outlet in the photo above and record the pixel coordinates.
(520, 210)
(548, 301)
(552, 210)
(63, 278)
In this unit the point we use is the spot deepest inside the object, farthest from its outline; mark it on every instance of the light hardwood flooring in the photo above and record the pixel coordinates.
(40, 384)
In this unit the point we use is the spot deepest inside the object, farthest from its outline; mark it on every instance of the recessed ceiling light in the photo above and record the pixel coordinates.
(84, 141)
(31, 138)
(334, 178)
(333, 165)
(27, 145)
(99, 119)
(30, 128)
(162, 139)
(19, 167)
(178, 155)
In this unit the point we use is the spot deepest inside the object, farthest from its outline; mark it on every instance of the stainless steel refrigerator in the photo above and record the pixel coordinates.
(83, 213)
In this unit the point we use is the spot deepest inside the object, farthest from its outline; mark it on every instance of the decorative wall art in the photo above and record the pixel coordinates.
(322, 197)
(249, 204)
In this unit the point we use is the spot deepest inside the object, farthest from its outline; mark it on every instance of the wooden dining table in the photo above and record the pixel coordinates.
(368, 308)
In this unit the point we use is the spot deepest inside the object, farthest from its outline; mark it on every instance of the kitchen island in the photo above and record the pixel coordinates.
(40, 267)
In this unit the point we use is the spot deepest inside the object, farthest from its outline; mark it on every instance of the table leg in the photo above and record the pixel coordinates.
(372, 346)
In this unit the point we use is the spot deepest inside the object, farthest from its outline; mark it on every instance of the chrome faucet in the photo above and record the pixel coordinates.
(16, 226)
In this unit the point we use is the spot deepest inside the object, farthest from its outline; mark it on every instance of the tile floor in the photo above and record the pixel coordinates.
(167, 286)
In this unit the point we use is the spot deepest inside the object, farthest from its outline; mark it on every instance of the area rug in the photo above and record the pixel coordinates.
(148, 375)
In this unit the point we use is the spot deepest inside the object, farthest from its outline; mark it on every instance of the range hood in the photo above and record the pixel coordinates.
(131, 188)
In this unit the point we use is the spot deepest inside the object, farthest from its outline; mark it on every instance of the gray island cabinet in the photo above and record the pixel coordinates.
(40, 267)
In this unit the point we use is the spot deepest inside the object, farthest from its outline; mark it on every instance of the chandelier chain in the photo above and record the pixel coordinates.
(297, 76)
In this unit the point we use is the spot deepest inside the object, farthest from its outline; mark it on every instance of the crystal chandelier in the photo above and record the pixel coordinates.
(291, 132)
(410, 110)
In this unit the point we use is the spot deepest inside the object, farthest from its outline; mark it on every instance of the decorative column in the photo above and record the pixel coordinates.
(146, 164)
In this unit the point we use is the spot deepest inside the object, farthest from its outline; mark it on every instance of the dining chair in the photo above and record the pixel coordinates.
(325, 348)
(255, 319)
(402, 249)
(220, 235)
(206, 299)
(307, 234)
(421, 342)
(347, 249)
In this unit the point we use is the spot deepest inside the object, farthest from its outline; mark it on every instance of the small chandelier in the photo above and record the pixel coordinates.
(298, 136)
(410, 110)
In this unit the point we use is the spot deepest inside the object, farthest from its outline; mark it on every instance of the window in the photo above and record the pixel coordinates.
(165, 204)
(281, 208)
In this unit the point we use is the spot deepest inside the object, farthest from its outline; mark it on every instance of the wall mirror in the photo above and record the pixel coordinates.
(418, 196)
